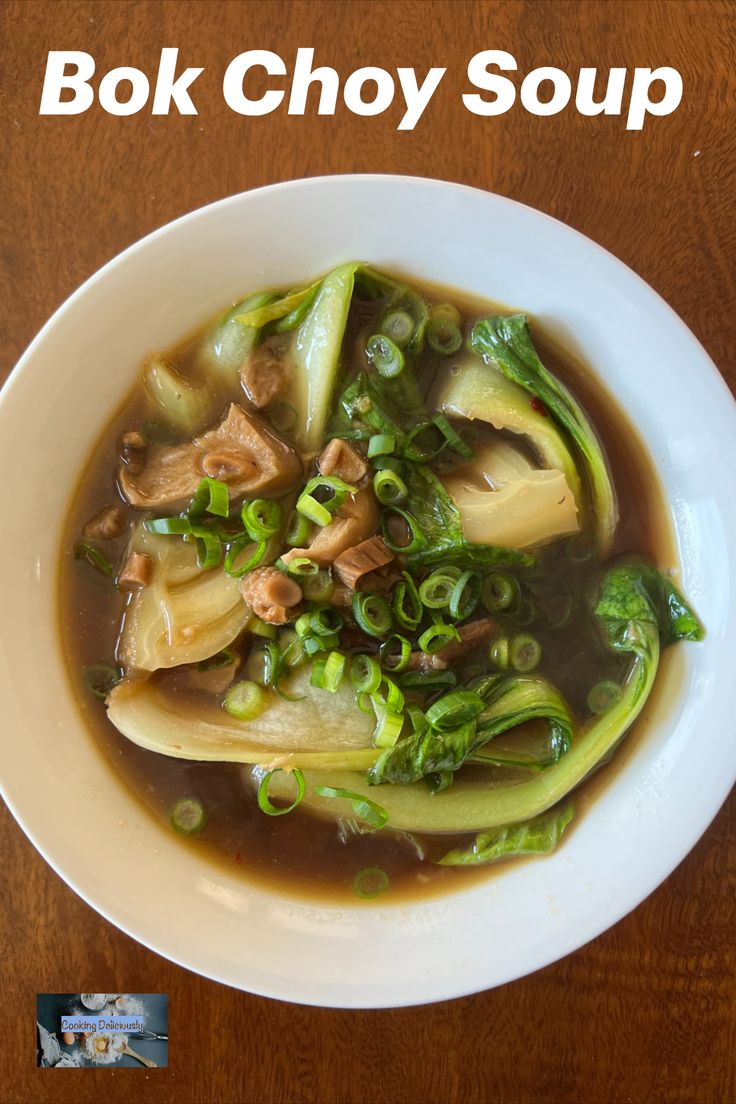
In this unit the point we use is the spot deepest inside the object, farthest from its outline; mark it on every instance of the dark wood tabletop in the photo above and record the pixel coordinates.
(646, 1011)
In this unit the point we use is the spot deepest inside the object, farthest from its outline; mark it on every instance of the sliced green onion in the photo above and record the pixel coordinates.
(424, 443)
(324, 621)
(365, 673)
(452, 437)
(395, 653)
(319, 586)
(427, 681)
(370, 882)
(100, 678)
(500, 592)
(363, 807)
(365, 702)
(416, 537)
(334, 671)
(385, 356)
(209, 548)
(446, 312)
(332, 491)
(525, 612)
(525, 652)
(293, 653)
(390, 488)
(436, 637)
(387, 463)
(291, 320)
(302, 625)
(237, 570)
(399, 326)
(314, 644)
(169, 526)
(314, 510)
(245, 700)
(211, 497)
(381, 444)
(283, 417)
(94, 557)
(388, 694)
(317, 676)
(221, 659)
(444, 336)
(437, 589)
(188, 816)
(261, 628)
(298, 529)
(465, 595)
(264, 802)
(261, 518)
(416, 718)
(301, 566)
(603, 696)
(498, 653)
(407, 604)
(454, 709)
(372, 613)
(388, 726)
(271, 663)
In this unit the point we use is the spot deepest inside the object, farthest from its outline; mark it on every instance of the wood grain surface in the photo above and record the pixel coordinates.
(645, 1012)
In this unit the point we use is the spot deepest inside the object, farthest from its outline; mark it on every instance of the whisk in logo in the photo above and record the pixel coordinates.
(102, 1029)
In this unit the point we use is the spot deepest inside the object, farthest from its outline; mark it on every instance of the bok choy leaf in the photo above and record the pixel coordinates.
(504, 340)
(535, 837)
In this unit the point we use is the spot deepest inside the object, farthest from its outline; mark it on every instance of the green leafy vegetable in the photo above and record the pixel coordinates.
(535, 837)
(229, 342)
(439, 521)
(505, 340)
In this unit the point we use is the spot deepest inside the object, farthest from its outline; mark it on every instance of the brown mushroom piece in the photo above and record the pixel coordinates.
(136, 572)
(473, 635)
(107, 525)
(355, 521)
(241, 452)
(369, 556)
(340, 459)
(270, 594)
(264, 373)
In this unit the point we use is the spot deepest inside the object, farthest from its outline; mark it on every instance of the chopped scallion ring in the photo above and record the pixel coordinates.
(414, 534)
(381, 444)
(424, 443)
(100, 678)
(245, 700)
(365, 673)
(407, 604)
(324, 621)
(266, 805)
(399, 326)
(363, 807)
(428, 681)
(169, 526)
(388, 694)
(209, 548)
(388, 726)
(372, 613)
(261, 518)
(452, 437)
(437, 589)
(525, 652)
(211, 497)
(603, 696)
(498, 653)
(465, 595)
(314, 510)
(298, 529)
(237, 570)
(444, 336)
(385, 356)
(188, 816)
(395, 653)
(318, 587)
(500, 592)
(454, 709)
(390, 488)
(436, 637)
(335, 665)
(370, 882)
(301, 566)
(283, 416)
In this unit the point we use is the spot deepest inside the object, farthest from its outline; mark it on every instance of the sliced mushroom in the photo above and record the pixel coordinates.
(265, 375)
(107, 525)
(340, 459)
(473, 635)
(369, 556)
(354, 522)
(241, 452)
(136, 572)
(270, 594)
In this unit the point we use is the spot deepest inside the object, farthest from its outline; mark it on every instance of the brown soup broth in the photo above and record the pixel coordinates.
(300, 853)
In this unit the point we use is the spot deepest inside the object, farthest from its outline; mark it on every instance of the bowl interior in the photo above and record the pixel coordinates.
(56, 781)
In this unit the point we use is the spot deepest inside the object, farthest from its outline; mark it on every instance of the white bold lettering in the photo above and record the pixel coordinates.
(353, 91)
(107, 93)
(56, 79)
(416, 96)
(232, 84)
(304, 75)
(640, 104)
(560, 96)
(172, 89)
(503, 89)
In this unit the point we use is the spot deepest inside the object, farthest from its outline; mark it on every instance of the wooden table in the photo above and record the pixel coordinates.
(645, 1012)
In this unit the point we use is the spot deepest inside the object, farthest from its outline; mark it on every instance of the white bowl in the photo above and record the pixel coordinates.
(85, 822)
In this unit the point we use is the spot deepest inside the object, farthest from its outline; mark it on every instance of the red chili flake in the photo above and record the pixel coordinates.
(538, 406)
